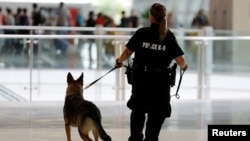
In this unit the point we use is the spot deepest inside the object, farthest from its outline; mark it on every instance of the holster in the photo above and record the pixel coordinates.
(129, 73)
(172, 74)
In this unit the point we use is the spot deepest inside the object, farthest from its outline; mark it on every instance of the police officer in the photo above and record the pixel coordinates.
(154, 47)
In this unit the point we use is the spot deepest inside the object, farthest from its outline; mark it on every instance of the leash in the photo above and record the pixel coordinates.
(99, 78)
(179, 84)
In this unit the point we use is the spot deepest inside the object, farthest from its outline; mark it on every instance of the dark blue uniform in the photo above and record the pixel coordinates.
(151, 88)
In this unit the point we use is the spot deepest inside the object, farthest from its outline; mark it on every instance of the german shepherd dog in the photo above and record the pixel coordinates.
(81, 113)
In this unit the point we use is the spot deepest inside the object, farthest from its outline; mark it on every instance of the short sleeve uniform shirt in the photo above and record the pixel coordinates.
(150, 51)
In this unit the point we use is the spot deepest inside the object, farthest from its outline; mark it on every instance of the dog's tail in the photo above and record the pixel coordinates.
(103, 135)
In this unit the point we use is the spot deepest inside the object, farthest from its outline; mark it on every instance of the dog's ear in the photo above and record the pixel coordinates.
(80, 79)
(70, 77)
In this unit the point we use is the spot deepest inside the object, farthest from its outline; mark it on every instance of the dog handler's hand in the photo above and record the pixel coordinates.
(118, 64)
(185, 67)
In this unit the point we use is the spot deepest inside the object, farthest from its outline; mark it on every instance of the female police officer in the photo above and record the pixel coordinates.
(154, 47)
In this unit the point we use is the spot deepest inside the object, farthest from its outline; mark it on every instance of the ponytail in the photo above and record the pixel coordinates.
(159, 12)
(163, 29)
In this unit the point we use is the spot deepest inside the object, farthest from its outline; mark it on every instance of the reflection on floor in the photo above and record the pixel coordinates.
(43, 121)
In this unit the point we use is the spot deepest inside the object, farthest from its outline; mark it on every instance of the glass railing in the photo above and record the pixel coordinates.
(35, 66)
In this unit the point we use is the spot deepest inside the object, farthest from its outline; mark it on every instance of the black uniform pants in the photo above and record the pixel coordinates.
(153, 123)
(149, 104)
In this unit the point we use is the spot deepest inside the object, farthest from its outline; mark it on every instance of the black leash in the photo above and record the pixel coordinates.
(99, 78)
(179, 84)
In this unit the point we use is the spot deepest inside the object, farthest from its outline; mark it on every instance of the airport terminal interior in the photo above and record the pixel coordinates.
(35, 61)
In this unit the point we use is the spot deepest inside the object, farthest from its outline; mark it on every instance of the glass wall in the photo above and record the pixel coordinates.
(34, 68)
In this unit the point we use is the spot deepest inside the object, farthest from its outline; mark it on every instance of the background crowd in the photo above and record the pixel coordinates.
(64, 17)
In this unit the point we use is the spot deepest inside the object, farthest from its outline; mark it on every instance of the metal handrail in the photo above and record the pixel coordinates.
(8, 36)
(69, 28)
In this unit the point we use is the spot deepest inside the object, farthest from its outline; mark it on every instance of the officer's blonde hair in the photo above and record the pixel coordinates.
(159, 13)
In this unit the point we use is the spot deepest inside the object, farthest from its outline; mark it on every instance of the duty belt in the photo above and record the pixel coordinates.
(151, 69)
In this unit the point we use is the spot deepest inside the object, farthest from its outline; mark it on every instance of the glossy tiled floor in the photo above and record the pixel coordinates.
(43, 121)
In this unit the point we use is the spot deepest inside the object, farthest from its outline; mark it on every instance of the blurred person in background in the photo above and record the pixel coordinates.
(50, 18)
(99, 19)
(170, 20)
(10, 21)
(99, 42)
(79, 20)
(37, 19)
(36, 15)
(109, 48)
(1, 17)
(63, 20)
(50, 21)
(125, 21)
(19, 42)
(90, 22)
(1, 23)
(9, 44)
(17, 18)
(24, 20)
(17, 15)
(134, 20)
(200, 20)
